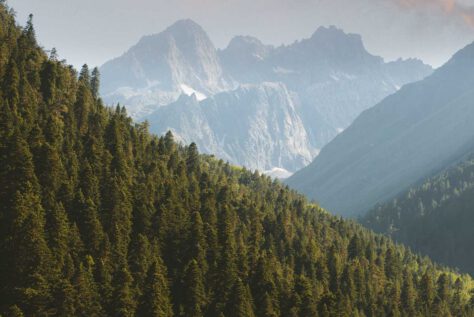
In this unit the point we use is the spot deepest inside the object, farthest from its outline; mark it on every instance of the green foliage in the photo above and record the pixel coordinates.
(100, 218)
(434, 218)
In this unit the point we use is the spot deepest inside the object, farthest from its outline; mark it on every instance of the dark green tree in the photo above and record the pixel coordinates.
(155, 300)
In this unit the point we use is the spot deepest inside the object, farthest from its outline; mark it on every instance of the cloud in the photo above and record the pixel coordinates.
(453, 8)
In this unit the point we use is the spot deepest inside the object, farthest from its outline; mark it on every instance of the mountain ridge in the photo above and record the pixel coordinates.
(367, 159)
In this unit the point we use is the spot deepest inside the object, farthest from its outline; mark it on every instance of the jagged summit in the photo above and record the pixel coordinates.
(185, 25)
(243, 55)
(334, 43)
(330, 31)
(182, 28)
(330, 36)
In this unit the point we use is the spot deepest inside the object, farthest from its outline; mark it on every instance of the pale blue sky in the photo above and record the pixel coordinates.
(94, 31)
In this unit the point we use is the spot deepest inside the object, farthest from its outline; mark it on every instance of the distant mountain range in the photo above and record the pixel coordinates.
(268, 108)
(406, 138)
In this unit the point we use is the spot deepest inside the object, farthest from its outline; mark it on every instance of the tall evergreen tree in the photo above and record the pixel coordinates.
(195, 294)
(155, 300)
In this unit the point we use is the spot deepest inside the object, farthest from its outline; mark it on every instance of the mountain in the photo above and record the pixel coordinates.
(160, 67)
(435, 218)
(409, 136)
(256, 126)
(101, 218)
(330, 78)
(333, 75)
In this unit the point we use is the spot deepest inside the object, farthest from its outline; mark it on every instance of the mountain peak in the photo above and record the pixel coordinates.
(333, 35)
(182, 30)
(329, 30)
(248, 46)
(244, 40)
(185, 25)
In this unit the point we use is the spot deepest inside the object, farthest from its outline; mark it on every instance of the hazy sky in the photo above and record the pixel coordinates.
(94, 31)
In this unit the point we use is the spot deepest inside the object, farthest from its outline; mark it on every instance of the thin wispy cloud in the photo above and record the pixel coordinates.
(453, 8)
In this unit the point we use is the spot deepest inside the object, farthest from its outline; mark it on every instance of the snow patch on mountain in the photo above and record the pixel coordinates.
(190, 91)
(278, 172)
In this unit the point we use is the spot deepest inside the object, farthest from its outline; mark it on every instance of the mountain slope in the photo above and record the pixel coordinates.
(256, 126)
(435, 218)
(100, 218)
(407, 137)
(329, 86)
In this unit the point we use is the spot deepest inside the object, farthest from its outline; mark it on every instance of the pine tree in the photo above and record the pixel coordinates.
(443, 288)
(84, 103)
(192, 159)
(141, 255)
(428, 292)
(197, 242)
(355, 248)
(263, 287)
(84, 75)
(95, 82)
(87, 298)
(305, 292)
(58, 228)
(195, 294)
(29, 30)
(65, 298)
(28, 262)
(392, 264)
(123, 297)
(408, 294)
(240, 303)
(156, 298)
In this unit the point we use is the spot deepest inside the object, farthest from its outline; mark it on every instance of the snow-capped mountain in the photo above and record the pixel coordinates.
(328, 78)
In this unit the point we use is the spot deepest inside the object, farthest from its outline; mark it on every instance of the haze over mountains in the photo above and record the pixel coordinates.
(313, 90)
(99, 217)
(408, 137)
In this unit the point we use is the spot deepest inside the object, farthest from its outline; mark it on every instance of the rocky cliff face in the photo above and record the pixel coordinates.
(255, 125)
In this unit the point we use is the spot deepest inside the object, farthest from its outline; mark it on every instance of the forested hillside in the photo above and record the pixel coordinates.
(100, 218)
(435, 218)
